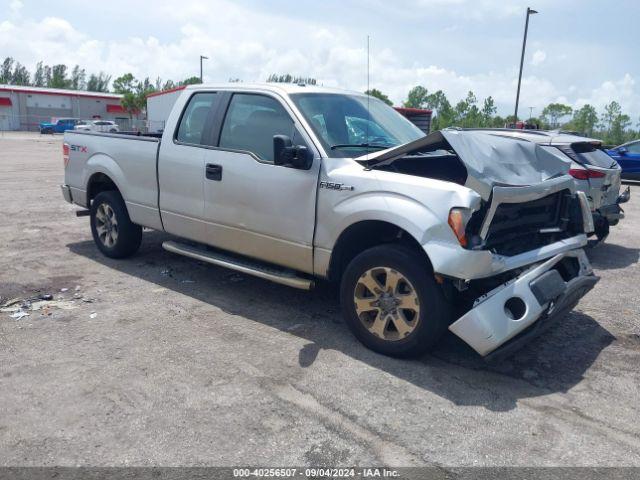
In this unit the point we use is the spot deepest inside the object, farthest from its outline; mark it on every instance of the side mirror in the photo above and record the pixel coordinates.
(622, 150)
(288, 155)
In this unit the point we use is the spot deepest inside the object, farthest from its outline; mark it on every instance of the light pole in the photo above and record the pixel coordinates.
(530, 11)
(531, 112)
(202, 57)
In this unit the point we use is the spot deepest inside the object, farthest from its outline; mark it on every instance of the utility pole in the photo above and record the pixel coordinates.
(531, 112)
(530, 11)
(202, 57)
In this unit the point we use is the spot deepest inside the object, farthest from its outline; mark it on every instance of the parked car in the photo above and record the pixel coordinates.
(628, 157)
(97, 126)
(463, 230)
(594, 172)
(59, 126)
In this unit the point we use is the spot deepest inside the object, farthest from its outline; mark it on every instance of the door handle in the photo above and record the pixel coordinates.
(213, 172)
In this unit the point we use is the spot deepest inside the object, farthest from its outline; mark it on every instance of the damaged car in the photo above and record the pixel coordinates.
(460, 230)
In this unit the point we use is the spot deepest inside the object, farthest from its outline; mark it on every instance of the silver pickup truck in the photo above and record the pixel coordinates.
(464, 230)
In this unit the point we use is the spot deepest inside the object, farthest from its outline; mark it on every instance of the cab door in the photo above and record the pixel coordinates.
(251, 205)
(181, 166)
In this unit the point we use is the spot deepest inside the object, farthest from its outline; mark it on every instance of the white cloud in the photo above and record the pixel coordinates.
(538, 57)
(250, 44)
(624, 91)
(14, 8)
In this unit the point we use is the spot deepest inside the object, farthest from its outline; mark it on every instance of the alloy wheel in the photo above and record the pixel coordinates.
(106, 225)
(386, 303)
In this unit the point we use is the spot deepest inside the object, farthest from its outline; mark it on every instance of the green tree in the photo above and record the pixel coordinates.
(611, 112)
(444, 113)
(168, 85)
(585, 120)
(553, 112)
(417, 97)
(467, 113)
(124, 84)
(59, 77)
(47, 76)
(78, 78)
(134, 93)
(38, 76)
(374, 92)
(99, 82)
(21, 75)
(288, 78)
(488, 111)
(190, 81)
(6, 70)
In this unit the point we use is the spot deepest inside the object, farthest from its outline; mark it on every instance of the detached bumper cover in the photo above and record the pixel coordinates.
(539, 296)
(66, 193)
(613, 212)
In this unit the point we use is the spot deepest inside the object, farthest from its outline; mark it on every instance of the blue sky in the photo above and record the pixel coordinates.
(578, 51)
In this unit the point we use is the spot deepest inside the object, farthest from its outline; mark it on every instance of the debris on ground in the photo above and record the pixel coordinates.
(19, 307)
(64, 289)
(19, 314)
(93, 315)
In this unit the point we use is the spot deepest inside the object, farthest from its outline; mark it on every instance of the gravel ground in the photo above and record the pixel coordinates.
(161, 360)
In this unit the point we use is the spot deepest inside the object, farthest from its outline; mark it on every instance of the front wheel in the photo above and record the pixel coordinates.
(113, 232)
(392, 303)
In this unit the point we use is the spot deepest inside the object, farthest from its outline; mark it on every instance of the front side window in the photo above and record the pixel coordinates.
(633, 147)
(194, 118)
(352, 125)
(251, 123)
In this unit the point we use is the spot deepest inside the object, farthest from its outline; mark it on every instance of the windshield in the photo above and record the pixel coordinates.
(346, 129)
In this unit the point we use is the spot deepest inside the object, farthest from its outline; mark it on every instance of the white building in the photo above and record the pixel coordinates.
(159, 105)
(23, 108)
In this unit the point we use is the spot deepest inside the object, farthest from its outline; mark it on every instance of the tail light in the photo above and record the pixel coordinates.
(458, 218)
(584, 174)
(65, 154)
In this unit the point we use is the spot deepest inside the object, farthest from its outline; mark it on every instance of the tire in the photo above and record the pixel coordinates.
(407, 332)
(114, 233)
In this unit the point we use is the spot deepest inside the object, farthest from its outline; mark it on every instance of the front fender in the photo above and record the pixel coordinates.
(400, 210)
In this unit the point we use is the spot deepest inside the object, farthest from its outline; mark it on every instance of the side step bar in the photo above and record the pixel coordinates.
(255, 268)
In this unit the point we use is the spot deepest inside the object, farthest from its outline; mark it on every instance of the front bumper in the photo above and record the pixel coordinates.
(457, 262)
(66, 193)
(537, 295)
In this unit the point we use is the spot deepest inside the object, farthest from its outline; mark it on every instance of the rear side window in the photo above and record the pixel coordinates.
(588, 154)
(252, 121)
(194, 119)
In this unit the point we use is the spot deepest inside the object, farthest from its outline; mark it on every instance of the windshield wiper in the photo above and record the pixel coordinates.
(360, 145)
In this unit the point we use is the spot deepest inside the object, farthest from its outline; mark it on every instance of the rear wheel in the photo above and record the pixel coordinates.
(114, 233)
(391, 302)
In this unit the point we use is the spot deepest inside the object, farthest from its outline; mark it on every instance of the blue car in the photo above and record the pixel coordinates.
(628, 157)
(61, 126)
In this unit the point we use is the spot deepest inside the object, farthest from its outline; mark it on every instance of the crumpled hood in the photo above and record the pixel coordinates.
(490, 159)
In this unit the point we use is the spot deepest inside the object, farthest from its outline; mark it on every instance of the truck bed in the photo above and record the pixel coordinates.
(132, 161)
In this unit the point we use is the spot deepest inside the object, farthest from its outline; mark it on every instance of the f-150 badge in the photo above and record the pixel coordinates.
(335, 186)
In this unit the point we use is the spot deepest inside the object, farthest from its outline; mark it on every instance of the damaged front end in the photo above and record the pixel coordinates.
(517, 263)
(501, 320)
(537, 270)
